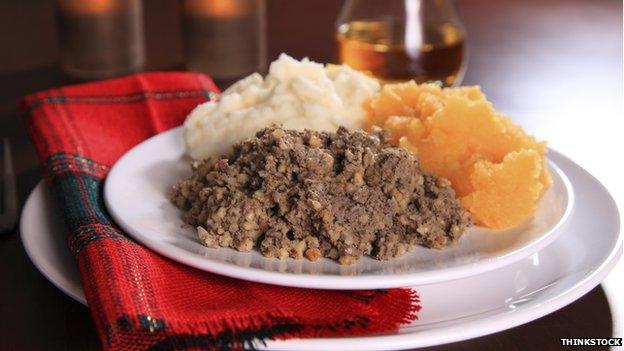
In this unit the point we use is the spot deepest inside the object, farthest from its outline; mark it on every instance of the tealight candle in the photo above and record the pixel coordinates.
(101, 38)
(224, 38)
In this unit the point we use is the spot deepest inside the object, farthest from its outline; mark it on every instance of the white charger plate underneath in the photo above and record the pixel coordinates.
(576, 262)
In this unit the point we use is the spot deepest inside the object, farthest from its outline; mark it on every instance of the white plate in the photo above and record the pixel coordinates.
(136, 191)
(526, 290)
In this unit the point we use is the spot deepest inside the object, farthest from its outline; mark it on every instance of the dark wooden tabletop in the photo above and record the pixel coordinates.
(546, 63)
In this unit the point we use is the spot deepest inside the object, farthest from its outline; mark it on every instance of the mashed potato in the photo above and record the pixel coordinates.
(295, 94)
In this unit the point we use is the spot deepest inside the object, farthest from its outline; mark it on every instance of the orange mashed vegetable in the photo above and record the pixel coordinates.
(497, 170)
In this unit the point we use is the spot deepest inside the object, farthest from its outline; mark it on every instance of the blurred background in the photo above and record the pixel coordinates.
(548, 63)
(554, 66)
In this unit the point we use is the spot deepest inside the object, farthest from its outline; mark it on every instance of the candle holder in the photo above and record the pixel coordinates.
(101, 38)
(224, 38)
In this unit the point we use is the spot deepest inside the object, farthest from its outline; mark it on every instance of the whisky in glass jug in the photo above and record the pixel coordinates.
(398, 40)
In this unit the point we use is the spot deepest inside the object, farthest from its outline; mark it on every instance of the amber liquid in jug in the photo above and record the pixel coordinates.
(382, 49)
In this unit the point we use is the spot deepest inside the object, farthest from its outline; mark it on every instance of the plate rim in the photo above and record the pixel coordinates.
(325, 281)
(27, 240)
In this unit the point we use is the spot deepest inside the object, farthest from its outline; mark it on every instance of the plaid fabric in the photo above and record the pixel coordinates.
(138, 299)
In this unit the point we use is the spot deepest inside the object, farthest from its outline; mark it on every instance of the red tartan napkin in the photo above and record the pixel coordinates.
(138, 299)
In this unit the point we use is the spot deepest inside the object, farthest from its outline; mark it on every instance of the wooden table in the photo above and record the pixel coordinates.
(555, 66)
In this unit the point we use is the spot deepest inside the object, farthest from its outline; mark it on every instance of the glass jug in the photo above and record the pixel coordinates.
(398, 40)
